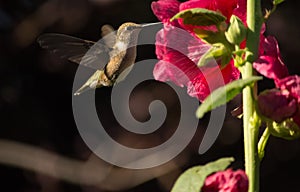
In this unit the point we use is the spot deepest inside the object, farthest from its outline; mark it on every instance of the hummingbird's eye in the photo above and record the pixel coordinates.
(132, 27)
(129, 28)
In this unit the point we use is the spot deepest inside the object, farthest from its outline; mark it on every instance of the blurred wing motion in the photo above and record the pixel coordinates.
(80, 51)
(109, 35)
(83, 52)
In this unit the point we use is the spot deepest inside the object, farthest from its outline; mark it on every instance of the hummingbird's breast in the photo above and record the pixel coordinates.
(119, 61)
(129, 59)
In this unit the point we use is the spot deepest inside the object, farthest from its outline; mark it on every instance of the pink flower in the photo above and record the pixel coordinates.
(211, 79)
(269, 62)
(282, 103)
(226, 7)
(277, 105)
(179, 50)
(226, 181)
(292, 85)
(165, 9)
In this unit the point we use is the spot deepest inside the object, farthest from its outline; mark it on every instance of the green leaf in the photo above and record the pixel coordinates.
(277, 2)
(224, 94)
(200, 17)
(218, 51)
(208, 36)
(206, 58)
(193, 179)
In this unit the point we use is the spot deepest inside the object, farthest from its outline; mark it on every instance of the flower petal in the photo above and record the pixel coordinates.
(292, 84)
(226, 181)
(269, 63)
(270, 67)
(241, 10)
(271, 46)
(176, 46)
(165, 71)
(165, 9)
(277, 105)
(173, 38)
(210, 79)
(226, 7)
(195, 4)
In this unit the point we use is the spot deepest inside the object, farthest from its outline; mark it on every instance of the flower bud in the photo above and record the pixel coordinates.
(276, 105)
(236, 31)
(226, 181)
(287, 129)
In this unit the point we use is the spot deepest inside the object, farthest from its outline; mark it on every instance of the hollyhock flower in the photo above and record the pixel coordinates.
(226, 7)
(179, 51)
(177, 55)
(211, 79)
(277, 105)
(226, 181)
(269, 62)
(166, 9)
(282, 103)
(292, 85)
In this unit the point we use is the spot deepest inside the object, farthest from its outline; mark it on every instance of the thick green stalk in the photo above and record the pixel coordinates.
(254, 21)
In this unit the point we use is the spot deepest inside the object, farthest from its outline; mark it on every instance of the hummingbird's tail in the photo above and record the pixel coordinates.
(86, 87)
(91, 83)
(82, 89)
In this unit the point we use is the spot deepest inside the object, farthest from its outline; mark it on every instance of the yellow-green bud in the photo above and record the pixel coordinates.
(287, 129)
(236, 31)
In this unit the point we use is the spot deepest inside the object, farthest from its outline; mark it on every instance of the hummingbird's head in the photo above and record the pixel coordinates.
(128, 30)
(128, 33)
(129, 26)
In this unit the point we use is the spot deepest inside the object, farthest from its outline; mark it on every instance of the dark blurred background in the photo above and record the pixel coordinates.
(36, 94)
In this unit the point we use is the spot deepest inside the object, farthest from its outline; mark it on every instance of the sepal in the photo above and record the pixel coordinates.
(287, 129)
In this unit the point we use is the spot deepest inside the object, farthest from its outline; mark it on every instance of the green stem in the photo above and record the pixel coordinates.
(254, 21)
(262, 143)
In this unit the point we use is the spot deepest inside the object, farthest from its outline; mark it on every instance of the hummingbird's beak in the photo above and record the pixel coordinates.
(150, 24)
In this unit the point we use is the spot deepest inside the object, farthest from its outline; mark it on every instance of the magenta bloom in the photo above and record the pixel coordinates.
(292, 85)
(226, 7)
(179, 50)
(165, 9)
(269, 62)
(282, 103)
(226, 181)
(277, 105)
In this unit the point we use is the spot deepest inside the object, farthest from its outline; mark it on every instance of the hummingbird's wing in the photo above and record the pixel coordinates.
(109, 35)
(80, 51)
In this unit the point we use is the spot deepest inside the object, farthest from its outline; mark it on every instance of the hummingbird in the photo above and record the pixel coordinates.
(113, 55)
